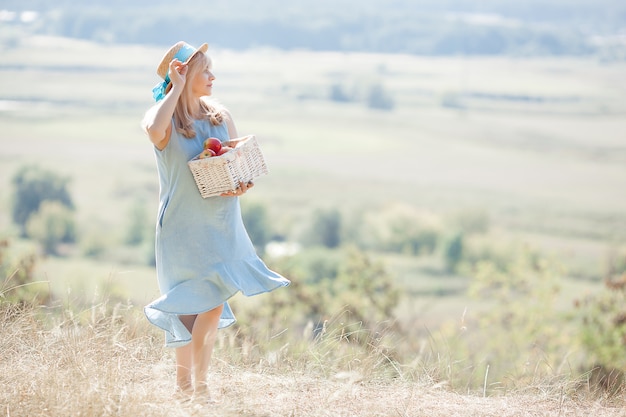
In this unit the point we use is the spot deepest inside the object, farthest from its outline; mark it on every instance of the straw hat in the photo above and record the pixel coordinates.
(181, 51)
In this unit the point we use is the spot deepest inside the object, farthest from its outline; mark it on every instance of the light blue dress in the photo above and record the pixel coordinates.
(203, 253)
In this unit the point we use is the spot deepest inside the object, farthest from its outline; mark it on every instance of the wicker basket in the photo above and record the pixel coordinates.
(219, 174)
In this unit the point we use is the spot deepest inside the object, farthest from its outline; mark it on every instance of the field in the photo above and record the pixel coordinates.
(537, 146)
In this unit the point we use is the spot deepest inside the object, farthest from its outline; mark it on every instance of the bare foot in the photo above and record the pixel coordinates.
(202, 395)
(183, 395)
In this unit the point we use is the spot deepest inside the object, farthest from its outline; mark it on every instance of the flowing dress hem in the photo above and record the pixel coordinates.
(164, 312)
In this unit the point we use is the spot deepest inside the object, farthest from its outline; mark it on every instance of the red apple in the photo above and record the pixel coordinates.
(213, 144)
(207, 153)
(224, 150)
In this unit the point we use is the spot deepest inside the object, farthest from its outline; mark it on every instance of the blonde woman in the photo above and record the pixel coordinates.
(203, 253)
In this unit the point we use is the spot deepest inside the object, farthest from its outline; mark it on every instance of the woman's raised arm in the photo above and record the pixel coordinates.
(158, 120)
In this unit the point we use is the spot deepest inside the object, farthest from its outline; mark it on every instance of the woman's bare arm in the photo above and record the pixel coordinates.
(158, 120)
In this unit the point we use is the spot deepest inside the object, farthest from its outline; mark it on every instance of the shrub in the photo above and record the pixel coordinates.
(138, 225)
(355, 307)
(453, 251)
(257, 224)
(338, 94)
(379, 98)
(396, 228)
(32, 186)
(326, 228)
(470, 221)
(52, 225)
(17, 275)
(603, 328)
(518, 332)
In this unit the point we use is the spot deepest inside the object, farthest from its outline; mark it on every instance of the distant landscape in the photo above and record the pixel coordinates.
(424, 27)
(446, 192)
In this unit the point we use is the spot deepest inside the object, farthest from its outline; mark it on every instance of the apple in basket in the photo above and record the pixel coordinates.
(207, 153)
(213, 144)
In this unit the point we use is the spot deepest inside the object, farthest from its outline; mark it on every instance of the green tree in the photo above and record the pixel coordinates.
(409, 237)
(52, 225)
(257, 224)
(338, 94)
(325, 228)
(379, 98)
(453, 251)
(32, 186)
(139, 227)
(396, 227)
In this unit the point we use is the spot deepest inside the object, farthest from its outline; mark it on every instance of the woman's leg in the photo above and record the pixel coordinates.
(184, 359)
(202, 341)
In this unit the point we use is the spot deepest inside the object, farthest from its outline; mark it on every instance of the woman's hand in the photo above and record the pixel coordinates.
(243, 187)
(233, 142)
(177, 72)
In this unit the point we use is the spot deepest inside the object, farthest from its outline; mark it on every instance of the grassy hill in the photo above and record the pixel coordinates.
(107, 363)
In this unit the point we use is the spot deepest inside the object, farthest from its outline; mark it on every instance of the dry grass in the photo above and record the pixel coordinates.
(107, 361)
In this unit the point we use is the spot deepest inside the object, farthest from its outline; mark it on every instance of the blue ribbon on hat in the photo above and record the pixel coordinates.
(183, 54)
(158, 92)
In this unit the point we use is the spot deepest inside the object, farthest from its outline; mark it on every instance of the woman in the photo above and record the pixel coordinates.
(203, 253)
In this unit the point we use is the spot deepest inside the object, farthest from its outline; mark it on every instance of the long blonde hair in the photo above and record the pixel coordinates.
(210, 109)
